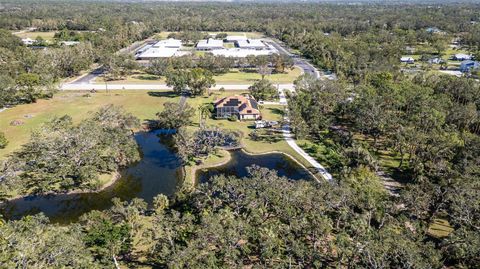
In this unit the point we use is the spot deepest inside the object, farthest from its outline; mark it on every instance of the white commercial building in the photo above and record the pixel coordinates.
(210, 44)
(235, 38)
(251, 44)
(161, 49)
(168, 43)
(242, 53)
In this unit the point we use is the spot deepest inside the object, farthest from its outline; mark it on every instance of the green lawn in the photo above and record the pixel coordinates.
(141, 103)
(235, 76)
(439, 228)
(33, 35)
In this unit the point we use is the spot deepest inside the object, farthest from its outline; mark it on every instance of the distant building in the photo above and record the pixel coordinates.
(434, 30)
(28, 41)
(462, 57)
(244, 107)
(161, 49)
(242, 53)
(256, 44)
(469, 65)
(209, 44)
(235, 38)
(408, 60)
(168, 43)
(436, 60)
(69, 43)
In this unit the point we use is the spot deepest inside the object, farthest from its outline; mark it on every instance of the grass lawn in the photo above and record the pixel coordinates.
(143, 104)
(34, 35)
(236, 77)
(439, 228)
(233, 77)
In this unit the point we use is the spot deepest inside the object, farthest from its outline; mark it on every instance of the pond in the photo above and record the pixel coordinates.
(240, 160)
(159, 171)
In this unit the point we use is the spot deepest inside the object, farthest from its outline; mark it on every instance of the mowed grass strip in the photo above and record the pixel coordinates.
(235, 76)
(79, 105)
(33, 35)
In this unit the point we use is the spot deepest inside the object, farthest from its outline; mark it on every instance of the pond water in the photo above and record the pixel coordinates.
(240, 160)
(159, 171)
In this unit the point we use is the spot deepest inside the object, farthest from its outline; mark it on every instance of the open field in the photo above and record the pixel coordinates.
(143, 104)
(237, 77)
(33, 35)
(233, 77)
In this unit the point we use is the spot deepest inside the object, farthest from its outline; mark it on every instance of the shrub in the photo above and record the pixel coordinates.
(233, 118)
(3, 141)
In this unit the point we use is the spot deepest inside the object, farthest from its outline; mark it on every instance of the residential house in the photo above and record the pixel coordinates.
(462, 57)
(469, 65)
(244, 107)
(408, 60)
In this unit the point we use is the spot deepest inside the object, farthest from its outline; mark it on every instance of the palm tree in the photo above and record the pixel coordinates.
(205, 111)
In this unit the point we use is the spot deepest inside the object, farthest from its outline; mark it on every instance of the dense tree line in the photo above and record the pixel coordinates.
(261, 221)
(429, 123)
(62, 156)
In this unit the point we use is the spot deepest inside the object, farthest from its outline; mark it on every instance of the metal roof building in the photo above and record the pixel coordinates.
(235, 38)
(210, 44)
(168, 43)
(251, 44)
(242, 53)
(162, 49)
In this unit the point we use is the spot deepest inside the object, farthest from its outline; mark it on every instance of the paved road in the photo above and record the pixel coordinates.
(298, 61)
(87, 79)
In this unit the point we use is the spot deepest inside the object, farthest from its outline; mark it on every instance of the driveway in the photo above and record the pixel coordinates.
(289, 138)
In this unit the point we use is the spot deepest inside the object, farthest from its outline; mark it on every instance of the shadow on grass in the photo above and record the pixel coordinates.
(276, 111)
(268, 136)
(147, 77)
(169, 94)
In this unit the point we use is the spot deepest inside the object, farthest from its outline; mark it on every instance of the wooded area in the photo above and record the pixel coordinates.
(420, 129)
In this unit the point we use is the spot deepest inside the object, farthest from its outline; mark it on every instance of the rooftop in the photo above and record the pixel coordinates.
(210, 43)
(158, 52)
(168, 43)
(236, 37)
(251, 43)
(245, 104)
(242, 53)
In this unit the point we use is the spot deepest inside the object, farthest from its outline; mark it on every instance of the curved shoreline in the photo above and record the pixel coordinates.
(195, 168)
(113, 179)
